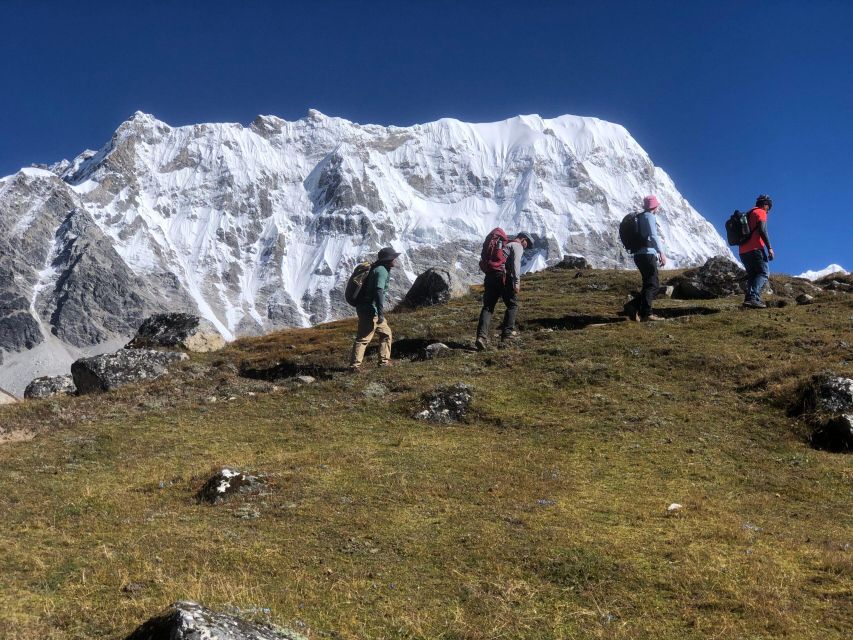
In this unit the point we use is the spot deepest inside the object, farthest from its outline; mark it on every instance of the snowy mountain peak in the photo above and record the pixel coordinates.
(258, 226)
(822, 273)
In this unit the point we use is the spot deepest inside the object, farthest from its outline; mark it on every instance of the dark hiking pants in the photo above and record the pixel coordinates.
(496, 289)
(757, 273)
(647, 263)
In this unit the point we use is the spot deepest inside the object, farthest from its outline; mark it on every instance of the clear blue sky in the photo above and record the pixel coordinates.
(730, 98)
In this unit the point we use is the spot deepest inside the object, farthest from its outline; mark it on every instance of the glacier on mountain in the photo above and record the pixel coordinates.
(826, 271)
(256, 227)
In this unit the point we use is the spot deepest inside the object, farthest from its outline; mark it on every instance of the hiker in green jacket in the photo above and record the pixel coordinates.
(371, 311)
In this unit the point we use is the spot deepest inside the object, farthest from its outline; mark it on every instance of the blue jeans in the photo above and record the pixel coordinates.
(757, 273)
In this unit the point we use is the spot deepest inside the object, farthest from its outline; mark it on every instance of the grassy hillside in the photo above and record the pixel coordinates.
(544, 515)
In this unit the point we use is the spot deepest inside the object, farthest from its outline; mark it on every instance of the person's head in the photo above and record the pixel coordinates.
(650, 203)
(525, 239)
(764, 202)
(387, 256)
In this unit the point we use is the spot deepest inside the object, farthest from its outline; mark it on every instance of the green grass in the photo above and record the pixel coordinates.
(542, 516)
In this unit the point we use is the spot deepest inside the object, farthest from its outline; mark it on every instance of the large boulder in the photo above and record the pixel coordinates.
(573, 262)
(434, 286)
(834, 435)
(111, 371)
(717, 278)
(50, 386)
(177, 331)
(191, 621)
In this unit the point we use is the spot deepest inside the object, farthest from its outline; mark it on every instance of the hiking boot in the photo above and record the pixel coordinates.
(387, 363)
(754, 304)
(353, 369)
(650, 318)
(480, 344)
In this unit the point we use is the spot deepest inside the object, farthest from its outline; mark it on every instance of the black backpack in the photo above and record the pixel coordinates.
(737, 228)
(629, 232)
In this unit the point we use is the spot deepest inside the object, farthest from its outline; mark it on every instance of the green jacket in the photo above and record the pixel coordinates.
(373, 292)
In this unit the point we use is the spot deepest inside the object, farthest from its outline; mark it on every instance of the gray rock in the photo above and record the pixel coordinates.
(446, 404)
(434, 286)
(227, 483)
(834, 435)
(375, 390)
(805, 298)
(177, 331)
(305, 379)
(435, 350)
(191, 621)
(51, 386)
(717, 278)
(114, 370)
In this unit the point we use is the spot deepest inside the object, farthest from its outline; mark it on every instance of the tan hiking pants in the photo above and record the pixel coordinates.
(367, 326)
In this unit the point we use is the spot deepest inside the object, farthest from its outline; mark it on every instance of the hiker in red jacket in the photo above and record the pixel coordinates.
(503, 282)
(756, 252)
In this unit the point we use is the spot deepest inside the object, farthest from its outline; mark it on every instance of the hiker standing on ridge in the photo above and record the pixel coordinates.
(647, 258)
(501, 262)
(371, 311)
(752, 253)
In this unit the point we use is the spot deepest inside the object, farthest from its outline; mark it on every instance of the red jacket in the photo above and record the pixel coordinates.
(755, 240)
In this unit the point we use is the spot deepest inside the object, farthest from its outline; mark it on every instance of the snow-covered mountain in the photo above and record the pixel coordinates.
(258, 227)
(817, 275)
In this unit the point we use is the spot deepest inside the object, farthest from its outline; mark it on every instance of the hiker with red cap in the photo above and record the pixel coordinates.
(370, 307)
(500, 260)
(648, 255)
(753, 255)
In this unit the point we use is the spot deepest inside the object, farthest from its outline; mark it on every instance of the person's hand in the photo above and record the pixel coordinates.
(662, 260)
(517, 288)
(770, 254)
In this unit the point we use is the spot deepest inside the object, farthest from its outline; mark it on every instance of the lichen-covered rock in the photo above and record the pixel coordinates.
(805, 298)
(51, 386)
(434, 286)
(227, 483)
(111, 371)
(177, 331)
(191, 621)
(835, 435)
(717, 278)
(446, 404)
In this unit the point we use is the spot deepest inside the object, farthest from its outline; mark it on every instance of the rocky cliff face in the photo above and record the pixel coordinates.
(258, 227)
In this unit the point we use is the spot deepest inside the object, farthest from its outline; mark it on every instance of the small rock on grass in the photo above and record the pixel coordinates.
(227, 483)
(446, 404)
(674, 509)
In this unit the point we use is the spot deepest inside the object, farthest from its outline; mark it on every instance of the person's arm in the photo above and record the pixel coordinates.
(379, 293)
(762, 231)
(515, 255)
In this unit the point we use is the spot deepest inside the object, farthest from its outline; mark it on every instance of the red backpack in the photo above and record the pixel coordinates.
(492, 257)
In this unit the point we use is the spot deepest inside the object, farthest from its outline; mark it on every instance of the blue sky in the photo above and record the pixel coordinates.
(731, 98)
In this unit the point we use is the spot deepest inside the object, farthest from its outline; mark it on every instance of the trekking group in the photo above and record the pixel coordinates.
(500, 261)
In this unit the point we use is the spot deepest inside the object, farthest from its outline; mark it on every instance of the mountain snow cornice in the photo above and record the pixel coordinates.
(258, 227)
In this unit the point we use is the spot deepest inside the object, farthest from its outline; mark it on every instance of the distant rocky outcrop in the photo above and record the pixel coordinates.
(446, 404)
(717, 278)
(227, 483)
(111, 371)
(434, 286)
(825, 402)
(7, 398)
(573, 262)
(50, 386)
(191, 621)
(177, 331)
